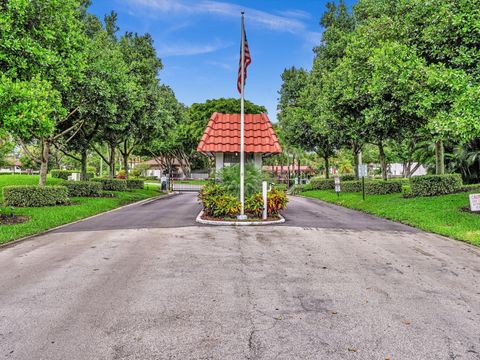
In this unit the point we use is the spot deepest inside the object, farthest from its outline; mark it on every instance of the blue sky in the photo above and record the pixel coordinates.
(198, 42)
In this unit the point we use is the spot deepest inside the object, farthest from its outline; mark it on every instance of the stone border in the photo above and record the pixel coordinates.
(28, 237)
(237, 223)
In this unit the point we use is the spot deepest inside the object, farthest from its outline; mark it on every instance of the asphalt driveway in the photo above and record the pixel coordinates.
(145, 282)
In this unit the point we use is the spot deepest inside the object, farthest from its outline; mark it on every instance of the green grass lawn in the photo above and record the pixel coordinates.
(48, 217)
(438, 214)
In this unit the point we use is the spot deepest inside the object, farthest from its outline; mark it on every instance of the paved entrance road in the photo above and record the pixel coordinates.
(330, 284)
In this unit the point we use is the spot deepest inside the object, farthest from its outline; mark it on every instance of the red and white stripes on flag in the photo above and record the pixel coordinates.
(246, 59)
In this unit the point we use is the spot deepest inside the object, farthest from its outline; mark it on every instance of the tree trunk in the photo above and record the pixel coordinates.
(383, 163)
(111, 162)
(327, 166)
(439, 158)
(406, 169)
(83, 166)
(299, 177)
(125, 164)
(355, 150)
(44, 163)
(125, 158)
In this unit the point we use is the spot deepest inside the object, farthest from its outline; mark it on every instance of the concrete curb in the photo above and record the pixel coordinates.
(141, 202)
(237, 223)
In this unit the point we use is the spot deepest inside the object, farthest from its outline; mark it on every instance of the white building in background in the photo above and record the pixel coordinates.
(15, 167)
(396, 169)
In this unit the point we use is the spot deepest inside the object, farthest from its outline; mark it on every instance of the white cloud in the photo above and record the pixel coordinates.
(219, 64)
(300, 14)
(287, 23)
(188, 49)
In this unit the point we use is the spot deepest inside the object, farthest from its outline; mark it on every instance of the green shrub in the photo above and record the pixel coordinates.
(121, 174)
(276, 201)
(135, 184)
(217, 203)
(347, 177)
(112, 184)
(432, 185)
(296, 189)
(322, 184)
(254, 205)
(351, 186)
(83, 188)
(35, 196)
(383, 187)
(282, 187)
(64, 174)
(229, 176)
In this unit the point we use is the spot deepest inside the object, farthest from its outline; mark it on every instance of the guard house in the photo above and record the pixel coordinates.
(221, 139)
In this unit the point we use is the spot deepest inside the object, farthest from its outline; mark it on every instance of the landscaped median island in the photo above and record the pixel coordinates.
(433, 203)
(221, 204)
(28, 209)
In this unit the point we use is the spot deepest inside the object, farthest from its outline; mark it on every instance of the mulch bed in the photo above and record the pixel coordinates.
(211, 218)
(12, 220)
(467, 209)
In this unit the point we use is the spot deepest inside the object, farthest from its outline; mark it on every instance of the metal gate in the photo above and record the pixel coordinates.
(181, 186)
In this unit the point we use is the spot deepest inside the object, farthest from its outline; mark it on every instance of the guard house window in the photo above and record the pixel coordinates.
(234, 158)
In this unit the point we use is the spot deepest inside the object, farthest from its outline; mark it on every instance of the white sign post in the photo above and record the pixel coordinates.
(475, 202)
(265, 203)
(363, 172)
(337, 185)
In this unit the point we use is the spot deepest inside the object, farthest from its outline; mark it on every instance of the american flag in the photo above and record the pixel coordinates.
(247, 61)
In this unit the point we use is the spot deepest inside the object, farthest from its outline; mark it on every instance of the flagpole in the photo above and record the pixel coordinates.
(242, 124)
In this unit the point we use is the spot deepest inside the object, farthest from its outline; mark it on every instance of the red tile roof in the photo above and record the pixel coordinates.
(223, 134)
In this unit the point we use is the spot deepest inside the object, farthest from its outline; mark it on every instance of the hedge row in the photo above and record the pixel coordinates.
(347, 177)
(135, 184)
(322, 184)
(383, 187)
(371, 187)
(35, 196)
(64, 174)
(83, 188)
(351, 186)
(112, 184)
(431, 185)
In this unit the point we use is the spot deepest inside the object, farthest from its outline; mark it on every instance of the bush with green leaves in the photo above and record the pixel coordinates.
(64, 174)
(296, 189)
(112, 184)
(383, 187)
(347, 177)
(229, 176)
(322, 184)
(351, 186)
(135, 184)
(282, 187)
(35, 196)
(217, 203)
(83, 188)
(432, 185)
(276, 201)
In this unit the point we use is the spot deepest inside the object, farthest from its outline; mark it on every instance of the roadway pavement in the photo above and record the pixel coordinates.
(145, 282)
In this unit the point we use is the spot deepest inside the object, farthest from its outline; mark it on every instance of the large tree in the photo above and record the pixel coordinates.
(41, 57)
(143, 68)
